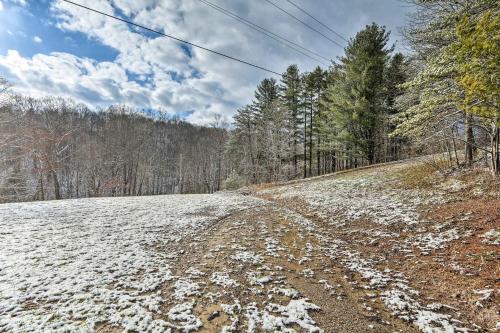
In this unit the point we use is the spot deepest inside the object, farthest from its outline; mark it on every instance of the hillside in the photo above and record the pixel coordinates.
(389, 248)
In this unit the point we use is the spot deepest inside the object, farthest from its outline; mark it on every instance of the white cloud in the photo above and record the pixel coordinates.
(220, 86)
(1, 5)
(37, 39)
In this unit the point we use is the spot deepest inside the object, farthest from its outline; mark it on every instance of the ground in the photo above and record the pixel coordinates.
(381, 249)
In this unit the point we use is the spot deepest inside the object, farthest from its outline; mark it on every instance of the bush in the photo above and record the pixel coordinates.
(233, 181)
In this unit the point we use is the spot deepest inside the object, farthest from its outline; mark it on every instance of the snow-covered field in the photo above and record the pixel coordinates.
(69, 265)
(326, 255)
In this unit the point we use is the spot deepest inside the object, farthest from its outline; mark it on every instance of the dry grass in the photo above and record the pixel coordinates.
(423, 174)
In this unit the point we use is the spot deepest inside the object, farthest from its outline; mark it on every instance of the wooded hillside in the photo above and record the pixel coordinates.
(54, 149)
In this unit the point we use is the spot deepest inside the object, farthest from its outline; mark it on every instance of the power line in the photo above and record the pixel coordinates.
(315, 19)
(267, 32)
(304, 23)
(172, 37)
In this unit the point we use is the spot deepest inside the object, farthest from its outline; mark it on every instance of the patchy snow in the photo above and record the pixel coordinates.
(354, 198)
(426, 320)
(232, 310)
(255, 279)
(431, 241)
(68, 265)
(279, 318)
(247, 257)
(491, 237)
(182, 313)
(288, 292)
(308, 273)
(222, 279)
(396, 293)
(185, 288)
(295, 313)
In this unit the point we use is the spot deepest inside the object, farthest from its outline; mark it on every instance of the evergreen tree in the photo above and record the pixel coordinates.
(356, 101)
(396, 75)
(290, 89)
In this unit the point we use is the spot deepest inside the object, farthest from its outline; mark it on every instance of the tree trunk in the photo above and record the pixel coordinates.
(305, 143)
(310, 138)
(495, 154)
(469, 139)
(55, 182)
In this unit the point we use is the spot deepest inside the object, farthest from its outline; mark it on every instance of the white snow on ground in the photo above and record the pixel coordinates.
(182, 313)
(343, 200)
(247, 256)
(354, 198)
(222, 279)
(69, 265)
(295, 313)
(278, 318)
(491, 237)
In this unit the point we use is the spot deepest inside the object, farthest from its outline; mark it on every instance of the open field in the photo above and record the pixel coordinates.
(357, 252)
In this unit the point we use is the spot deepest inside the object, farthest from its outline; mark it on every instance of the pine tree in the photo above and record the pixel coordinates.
(396, 75)
(356, 101)
(290, 89)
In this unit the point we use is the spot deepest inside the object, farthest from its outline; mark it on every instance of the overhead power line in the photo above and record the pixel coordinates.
(302, 22)
(172, 37)
(270, 34)
(315, 19)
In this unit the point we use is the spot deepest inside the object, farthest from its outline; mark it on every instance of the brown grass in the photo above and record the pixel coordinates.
(423, 174)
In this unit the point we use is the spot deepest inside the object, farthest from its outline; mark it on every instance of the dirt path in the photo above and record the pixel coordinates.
(268, 269)
(348, 253)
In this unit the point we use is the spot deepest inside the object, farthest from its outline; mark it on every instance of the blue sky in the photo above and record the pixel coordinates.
(48, 47)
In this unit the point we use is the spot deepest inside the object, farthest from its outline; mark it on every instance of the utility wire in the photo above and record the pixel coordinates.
(266, 32)
(172, 37)
(304, 23)
(315, 19)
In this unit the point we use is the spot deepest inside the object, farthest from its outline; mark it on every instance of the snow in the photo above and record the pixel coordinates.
(426, 320)
(185, 288)
(354, 198)
(247, 256)
(183, 313)
(289, 292)
(431, 241)
(295, 313)
(69, 265)
(222, 279)
(491, 237)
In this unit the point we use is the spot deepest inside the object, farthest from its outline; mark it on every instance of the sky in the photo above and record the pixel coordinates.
(49, 47)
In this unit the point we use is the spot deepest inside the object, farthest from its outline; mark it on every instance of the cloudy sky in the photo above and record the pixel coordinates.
(51, 47)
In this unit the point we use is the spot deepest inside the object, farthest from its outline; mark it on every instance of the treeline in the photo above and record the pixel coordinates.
(375, 106)
(325, 120)
(54, 149)
(451, 98)
(372, 105)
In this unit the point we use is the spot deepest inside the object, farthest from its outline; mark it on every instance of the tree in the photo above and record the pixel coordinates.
(396, 75)
(356, 100)
(290, 89)
(477, 51)
(53, 149)
(434, 91)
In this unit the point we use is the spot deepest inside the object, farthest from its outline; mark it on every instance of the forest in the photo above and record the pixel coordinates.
(372, 105)
(53, 149)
